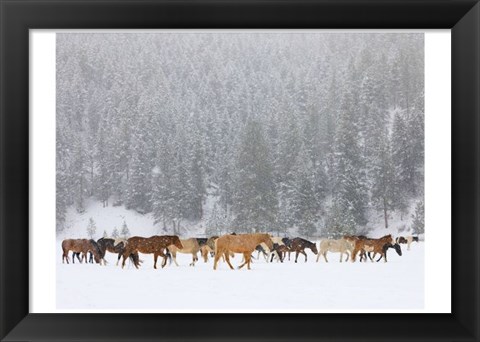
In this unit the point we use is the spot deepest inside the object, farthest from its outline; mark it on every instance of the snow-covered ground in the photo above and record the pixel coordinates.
(397, 284)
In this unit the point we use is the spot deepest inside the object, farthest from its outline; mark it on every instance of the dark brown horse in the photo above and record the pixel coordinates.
(116, 246)
(82, 246)
(280, 251)
(155, 245)
(298, 246)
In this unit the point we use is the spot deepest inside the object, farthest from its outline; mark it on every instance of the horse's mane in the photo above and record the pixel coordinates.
(306, 241)
(118, 241)
(96, 247)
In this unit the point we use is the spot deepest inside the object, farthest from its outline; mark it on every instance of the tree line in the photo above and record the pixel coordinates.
(254, 131)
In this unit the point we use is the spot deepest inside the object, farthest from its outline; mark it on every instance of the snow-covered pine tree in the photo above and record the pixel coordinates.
(125, 231)
(305, 203)
(255, 203)
(383, 186)
(91, 228)
(418, 224)
(115, 234)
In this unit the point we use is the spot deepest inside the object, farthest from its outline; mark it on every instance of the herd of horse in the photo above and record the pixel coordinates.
(226, 246)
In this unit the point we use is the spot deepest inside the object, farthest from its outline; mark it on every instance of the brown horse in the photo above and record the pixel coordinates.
(372, 245)
(353, 239)
(190, 246)
(81, 246)
(298, 246)
(153, 245)
(242, 243)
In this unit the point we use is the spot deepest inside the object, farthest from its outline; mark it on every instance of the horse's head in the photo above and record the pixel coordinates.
(388, 239)
(398, 249)
(268, 241)
(97, 252)
(177, 242)
(313, 247)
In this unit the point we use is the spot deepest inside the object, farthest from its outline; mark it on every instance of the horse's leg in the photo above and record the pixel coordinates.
(249, 259)
(354, 255)
(341, 256)
(125, 255)
(348, 255)
(227, 259)
(215, 260)
(318, 255)
(205, 255)
(296, 255)
(370, 256)
(325, 256)
(118, 259)
(303, 252)
(246, 256)
(174, 256)
(194, 259)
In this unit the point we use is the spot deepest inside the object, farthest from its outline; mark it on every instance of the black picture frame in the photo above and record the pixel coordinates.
(18, 16)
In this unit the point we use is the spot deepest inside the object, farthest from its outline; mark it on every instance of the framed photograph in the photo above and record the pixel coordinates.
(176, 164)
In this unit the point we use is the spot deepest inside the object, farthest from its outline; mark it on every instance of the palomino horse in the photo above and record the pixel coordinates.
(372, 245)
(153, 245)
(242, 243)
(81, 246)
(298, 246)
(335, 246)
(190, 246)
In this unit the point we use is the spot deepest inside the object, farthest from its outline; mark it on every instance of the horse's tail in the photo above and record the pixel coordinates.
(135, 259)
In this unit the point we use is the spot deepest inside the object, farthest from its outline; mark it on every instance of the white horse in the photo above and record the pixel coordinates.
(335, 246)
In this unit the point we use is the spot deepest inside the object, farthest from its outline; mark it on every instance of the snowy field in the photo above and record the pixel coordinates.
(310, 286)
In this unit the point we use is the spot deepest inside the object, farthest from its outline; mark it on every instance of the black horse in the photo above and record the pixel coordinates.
(298, 246)
(396, 246)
